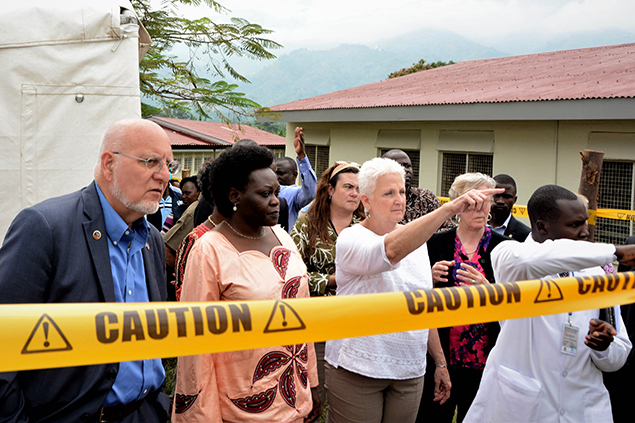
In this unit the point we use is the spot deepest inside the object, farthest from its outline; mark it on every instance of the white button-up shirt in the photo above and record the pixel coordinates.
(527, 378)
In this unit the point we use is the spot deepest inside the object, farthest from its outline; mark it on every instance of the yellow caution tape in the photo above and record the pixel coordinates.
(592, 216)
(616, 214)
(521, 211)
(39, 336)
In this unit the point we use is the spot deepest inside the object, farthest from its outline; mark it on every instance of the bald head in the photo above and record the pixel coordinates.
(129, 186)
(403, 159)
(126, 132)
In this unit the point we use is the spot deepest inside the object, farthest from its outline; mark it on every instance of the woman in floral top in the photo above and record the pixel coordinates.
(336, 206)
(462, 256)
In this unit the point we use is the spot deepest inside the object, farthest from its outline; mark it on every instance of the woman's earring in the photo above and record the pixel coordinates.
(489, 216)
(235, 206)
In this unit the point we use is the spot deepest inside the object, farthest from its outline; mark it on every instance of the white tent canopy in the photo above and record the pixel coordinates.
(69, 69)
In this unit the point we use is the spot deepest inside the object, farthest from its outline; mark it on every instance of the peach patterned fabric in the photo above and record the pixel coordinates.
(260, 385)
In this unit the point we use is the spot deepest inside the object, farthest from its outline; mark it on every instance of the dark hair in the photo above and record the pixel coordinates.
(505, 179)
(205, 181)
(244, 141)
(232, 169)
(319, 214)
(193, 179)
(543, 204)
(290, 161)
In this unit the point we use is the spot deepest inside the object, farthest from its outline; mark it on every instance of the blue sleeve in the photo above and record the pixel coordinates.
(309, 183)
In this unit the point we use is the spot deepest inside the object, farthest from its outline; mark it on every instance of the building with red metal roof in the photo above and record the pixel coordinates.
(527, 116)
(194, 142)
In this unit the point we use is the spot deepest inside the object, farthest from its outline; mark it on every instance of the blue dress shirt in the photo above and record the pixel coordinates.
(135, 378)
(298, 197)
(502, 228)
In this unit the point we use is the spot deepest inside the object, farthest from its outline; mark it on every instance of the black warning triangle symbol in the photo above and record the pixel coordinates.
(283, 318)
(46, 337)
(549, 291)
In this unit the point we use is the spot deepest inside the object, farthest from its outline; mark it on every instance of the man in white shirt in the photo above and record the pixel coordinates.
(548, 368)
(287, 173)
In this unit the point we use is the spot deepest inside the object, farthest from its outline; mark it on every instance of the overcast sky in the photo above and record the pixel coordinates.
(321, 24)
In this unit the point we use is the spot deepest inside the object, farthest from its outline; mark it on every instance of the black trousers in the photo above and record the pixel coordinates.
(465, 383)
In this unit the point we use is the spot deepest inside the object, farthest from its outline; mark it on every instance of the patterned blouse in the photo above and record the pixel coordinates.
(469, 343)
(421, 202)
(262, 385)
(184, 251)
(320, 264)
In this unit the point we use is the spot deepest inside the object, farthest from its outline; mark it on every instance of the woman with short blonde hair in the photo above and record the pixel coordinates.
(380, 378)
(461, 256)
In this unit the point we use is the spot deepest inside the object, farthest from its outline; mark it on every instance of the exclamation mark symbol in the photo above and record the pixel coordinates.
(549, 293)
(284, 316)
(45, 326)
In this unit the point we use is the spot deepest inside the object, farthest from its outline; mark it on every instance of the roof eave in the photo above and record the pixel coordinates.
(587, 109)
(189, 132)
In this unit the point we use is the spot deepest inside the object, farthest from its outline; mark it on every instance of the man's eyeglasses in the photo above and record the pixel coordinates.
(155, 165)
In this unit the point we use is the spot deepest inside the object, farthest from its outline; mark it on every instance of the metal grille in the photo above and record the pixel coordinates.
(482, 163)
(198, 161)
(615, 192)
(187, 163)
(319, 158)
(455, 164)
(414, 156)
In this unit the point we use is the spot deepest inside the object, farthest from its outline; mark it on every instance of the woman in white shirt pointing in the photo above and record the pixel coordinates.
(380, 378)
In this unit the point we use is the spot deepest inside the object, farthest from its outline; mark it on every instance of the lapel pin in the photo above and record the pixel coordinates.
(96, 235)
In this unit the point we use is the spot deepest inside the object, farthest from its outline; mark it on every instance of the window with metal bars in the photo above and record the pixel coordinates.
(615, 192)
(414, 158)
(455, 164)
(187, 162)
(318, 156)
(198, 161)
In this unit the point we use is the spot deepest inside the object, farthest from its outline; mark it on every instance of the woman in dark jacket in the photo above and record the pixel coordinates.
(461, 256)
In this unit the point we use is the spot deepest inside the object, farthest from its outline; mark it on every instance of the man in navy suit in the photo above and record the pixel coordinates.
(93, 245)
(502, 220)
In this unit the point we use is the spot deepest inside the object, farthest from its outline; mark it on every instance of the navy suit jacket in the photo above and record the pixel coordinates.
(51, 255)
(517, 230)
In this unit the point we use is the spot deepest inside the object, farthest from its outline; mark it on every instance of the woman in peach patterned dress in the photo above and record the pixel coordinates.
(246, 258)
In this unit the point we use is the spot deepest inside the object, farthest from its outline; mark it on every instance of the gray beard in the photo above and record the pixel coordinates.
(117, 192)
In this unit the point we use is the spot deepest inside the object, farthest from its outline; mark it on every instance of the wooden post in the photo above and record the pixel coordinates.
(590, 182)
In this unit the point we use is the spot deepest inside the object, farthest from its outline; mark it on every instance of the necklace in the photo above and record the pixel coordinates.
(242, 234)
(211, 221)
(471, 252)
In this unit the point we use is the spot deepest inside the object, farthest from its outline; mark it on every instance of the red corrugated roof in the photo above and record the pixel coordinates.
(599, 72)
(183, 132)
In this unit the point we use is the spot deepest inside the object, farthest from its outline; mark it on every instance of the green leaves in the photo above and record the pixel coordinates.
(171, 85)
(419, 66)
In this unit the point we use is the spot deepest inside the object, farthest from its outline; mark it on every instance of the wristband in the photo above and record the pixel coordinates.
(442, 366)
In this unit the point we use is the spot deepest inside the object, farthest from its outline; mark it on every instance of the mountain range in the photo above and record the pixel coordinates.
(305, 73)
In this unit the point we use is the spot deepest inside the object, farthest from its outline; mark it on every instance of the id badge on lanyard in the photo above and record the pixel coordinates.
(570, 334)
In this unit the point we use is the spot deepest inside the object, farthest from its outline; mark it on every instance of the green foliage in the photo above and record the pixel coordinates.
(277, 128)
(421, 65)
(173, 86)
